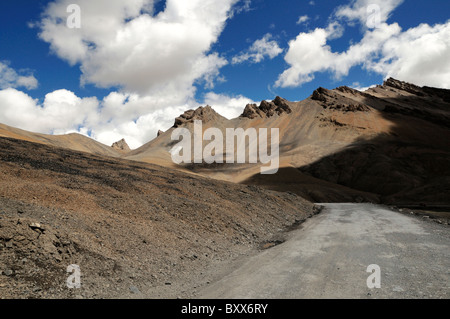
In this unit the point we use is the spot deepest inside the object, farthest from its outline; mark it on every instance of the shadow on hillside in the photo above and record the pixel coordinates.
(409, 165)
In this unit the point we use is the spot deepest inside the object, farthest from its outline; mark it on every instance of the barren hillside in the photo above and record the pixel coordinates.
(389, 144)
(135, 229)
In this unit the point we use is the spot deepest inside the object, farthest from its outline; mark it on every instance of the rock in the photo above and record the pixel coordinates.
(319, 95)
(404, 86)
(267, 109)
(8, 272)
(37, 226)
(160, 132)
(252, 111)
(204, 114)
(121, 146)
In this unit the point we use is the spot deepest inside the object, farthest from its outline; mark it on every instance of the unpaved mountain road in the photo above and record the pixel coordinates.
(328, 258)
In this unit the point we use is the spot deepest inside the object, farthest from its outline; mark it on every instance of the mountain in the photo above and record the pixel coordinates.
(121, 146)
(388, 144)
(73, 141)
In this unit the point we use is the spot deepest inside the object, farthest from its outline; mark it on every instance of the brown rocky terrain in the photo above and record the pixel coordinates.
(76, 142)
(389, 144)
(136, 230)
(121, 146)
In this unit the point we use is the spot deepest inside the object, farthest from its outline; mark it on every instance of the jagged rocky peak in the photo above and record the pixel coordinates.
(335, 100)
(121, 146)
(404, 86)
(203, 113)
(346, 89)
(160, 132)
(425, 91)
(320, 94)
(267, 109)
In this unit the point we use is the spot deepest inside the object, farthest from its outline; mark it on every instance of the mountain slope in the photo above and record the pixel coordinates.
(134, 229)
(76, 142)
(390, 143)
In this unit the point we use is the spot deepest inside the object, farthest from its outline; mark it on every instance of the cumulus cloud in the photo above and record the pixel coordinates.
(259, 50)
(9, 78)
(227, 106)
(362, 10)
(419, 55)
(120, 43)
(60, 111)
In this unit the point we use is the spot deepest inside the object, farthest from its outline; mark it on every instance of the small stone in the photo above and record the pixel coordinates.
(8, 272)
(168, 283)
(36, 226)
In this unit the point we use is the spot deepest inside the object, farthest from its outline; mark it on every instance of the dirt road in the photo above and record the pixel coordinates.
(328, 258)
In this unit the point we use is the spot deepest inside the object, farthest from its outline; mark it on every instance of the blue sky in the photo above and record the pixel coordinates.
(113, 89)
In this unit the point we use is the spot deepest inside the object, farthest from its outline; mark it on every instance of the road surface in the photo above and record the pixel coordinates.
(328, 258)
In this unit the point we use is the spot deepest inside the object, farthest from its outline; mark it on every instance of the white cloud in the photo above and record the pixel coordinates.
(302, 19)
(120, 43)
(9, 78)
(227, 106)
(60, 111)
(243, 6)
(362, 10)
(307, 54)
(259, 50)
(419, 55)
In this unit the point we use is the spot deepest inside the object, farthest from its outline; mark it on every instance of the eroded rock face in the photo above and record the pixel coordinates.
(404, 86)
(203, 114)
(267, 109)
(121, 146)
(332, 100)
